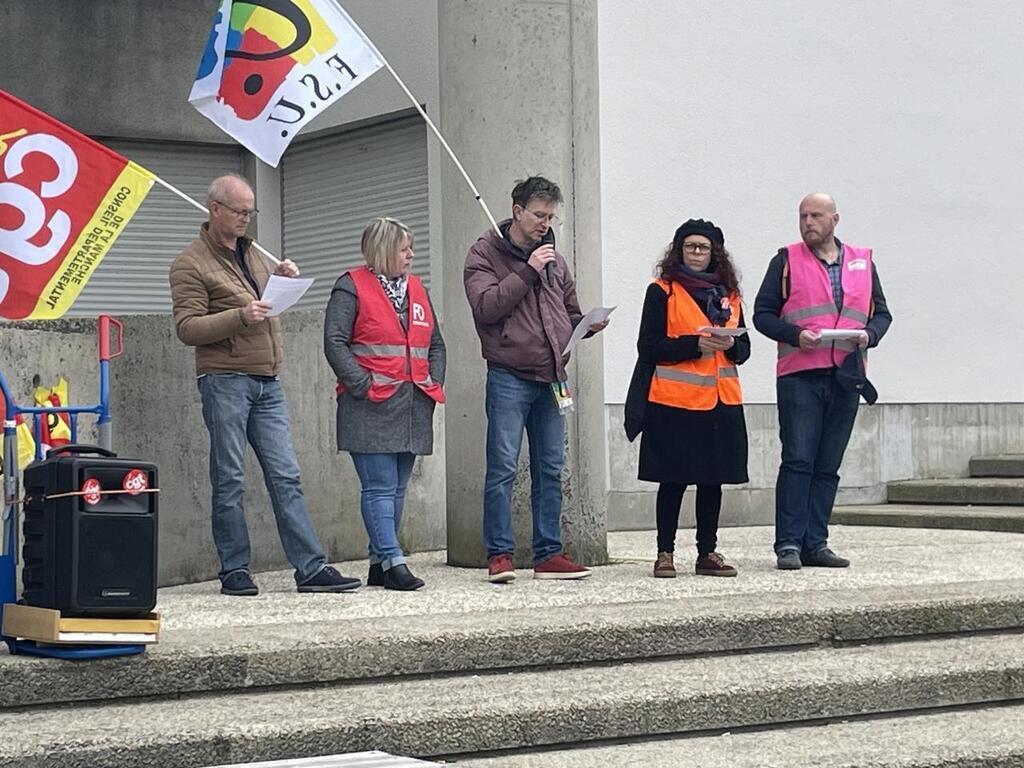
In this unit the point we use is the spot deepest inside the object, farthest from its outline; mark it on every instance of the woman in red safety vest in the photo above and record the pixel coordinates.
(383, 341)
(685, 394)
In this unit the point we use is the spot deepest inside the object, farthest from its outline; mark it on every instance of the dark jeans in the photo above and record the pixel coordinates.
(815, 421)
(709, 504)
(514, 404)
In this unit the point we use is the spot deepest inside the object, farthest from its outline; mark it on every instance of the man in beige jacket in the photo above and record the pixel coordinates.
(216, 284)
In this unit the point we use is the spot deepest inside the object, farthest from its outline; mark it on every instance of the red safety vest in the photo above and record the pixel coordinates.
(810, 305)
(383, 347)
(696, 385)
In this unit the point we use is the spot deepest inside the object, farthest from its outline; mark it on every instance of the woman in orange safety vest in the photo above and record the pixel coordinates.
(383, 341)
(685, 394)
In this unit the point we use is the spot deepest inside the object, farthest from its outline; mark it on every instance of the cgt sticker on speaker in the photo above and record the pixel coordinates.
(91, 491)
(135, 482)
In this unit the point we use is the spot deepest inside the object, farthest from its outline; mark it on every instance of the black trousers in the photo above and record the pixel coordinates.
(709, 505)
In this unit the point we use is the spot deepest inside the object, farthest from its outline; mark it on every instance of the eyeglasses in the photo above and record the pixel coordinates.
(550, 217)
(696, 248)
(245, 213)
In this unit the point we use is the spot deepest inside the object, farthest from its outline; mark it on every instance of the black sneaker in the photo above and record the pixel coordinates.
(239, 583)
(788, 560)
(375, 578)
(400, 577)
(824, 558)
(329, 580)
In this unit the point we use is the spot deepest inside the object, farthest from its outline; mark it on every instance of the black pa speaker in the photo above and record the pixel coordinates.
(90, 534)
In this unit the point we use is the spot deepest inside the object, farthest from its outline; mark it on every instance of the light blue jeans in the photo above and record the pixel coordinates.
(239, 408)
(512, 405)
(383, 477)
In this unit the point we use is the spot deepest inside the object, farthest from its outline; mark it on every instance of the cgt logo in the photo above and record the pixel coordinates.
(38, 233)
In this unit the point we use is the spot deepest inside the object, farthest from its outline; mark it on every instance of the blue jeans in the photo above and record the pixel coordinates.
(815, 422)
(383, 477)
(237, 408)
(512, 404)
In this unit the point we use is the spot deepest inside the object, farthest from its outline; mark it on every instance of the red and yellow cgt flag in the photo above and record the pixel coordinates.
(64, 199)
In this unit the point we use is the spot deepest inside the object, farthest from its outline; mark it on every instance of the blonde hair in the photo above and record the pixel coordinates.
(382, 242)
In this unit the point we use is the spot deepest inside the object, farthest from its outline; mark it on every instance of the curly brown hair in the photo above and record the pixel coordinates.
(669, 268)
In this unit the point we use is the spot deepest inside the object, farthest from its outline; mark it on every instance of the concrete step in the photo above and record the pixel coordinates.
(958, 491)
(300, 654)
(474, 713)
(990, 737)
(1003, 465)
(1005, 519)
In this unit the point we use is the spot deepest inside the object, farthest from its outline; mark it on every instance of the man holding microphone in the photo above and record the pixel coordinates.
(524, 306)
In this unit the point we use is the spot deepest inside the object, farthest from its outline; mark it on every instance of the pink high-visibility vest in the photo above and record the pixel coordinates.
(810, 305)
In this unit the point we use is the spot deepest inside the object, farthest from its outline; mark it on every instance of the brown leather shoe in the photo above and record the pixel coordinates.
(714, 565)
(664, 568)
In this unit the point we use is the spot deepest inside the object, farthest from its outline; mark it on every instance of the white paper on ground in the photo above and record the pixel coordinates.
(282, 292)
(593, 317)
(838, 334)
(714, 330)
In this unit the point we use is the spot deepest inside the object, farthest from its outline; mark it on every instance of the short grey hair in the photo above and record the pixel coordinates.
(218, 188)
(382, 240)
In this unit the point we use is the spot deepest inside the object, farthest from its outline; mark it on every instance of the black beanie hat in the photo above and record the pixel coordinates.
(698, 227)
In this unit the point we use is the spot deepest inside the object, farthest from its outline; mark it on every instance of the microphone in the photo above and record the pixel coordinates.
(549, 270)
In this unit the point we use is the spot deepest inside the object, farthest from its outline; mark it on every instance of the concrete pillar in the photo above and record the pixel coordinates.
(519, 96)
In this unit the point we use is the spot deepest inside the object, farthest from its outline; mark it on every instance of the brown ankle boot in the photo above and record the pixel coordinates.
(664, 568)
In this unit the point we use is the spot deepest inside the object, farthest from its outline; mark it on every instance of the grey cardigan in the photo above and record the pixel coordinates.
(402, 423)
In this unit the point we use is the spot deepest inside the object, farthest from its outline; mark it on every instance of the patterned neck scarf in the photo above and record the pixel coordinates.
(394, 289)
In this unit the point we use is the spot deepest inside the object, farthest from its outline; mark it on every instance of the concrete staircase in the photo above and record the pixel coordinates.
(660, 682)
(992, 499)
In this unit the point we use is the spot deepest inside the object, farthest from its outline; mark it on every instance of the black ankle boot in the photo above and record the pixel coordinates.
(375, 578)
(399, 577)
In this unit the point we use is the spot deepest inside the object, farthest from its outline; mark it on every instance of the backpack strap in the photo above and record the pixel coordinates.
(785, 273)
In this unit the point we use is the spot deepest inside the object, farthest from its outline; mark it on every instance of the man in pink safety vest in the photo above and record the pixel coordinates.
(822, 303)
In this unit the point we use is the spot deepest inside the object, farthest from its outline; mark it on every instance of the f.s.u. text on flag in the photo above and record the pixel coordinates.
(64, 199)
(270, 67)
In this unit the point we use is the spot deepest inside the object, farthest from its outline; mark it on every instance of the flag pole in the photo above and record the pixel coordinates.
(426, 118)
(205, 210)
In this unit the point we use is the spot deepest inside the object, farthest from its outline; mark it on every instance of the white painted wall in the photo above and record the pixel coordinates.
(911, 113)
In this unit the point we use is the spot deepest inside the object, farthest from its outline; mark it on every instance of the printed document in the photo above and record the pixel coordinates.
(282, 292)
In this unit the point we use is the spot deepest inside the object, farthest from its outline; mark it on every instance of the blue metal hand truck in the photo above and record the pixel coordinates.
(12, 502)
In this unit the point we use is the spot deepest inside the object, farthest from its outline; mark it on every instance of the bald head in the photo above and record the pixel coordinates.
(821, 198)
(224, 187)
(818, 219)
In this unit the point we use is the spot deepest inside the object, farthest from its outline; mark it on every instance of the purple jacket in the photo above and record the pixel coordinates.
(523, 322)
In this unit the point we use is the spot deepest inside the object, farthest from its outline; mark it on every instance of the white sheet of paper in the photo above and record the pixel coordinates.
(283, 292)
(836, 334)
(714, 330)
(594, 316)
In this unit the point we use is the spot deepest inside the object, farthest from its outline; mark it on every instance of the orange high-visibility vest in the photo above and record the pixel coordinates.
(696, 385)
(383, 347)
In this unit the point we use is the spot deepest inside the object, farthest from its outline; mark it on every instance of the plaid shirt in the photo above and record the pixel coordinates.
(835, 275)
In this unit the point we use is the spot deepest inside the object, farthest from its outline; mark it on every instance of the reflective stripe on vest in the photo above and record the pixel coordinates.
(391, 354)
(810, 305)
(696, 385)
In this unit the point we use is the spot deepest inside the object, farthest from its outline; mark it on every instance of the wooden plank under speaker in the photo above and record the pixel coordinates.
(45, 625)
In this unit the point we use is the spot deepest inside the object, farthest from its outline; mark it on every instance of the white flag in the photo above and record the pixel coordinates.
(271, 67)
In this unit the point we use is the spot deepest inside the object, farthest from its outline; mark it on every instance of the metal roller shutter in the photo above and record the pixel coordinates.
(332, 188)
(132, 279)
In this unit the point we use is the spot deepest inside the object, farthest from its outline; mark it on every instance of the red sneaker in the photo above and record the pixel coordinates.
(499, 569)
(559, 566)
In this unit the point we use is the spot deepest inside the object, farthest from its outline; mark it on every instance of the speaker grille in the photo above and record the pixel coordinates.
(115, 561)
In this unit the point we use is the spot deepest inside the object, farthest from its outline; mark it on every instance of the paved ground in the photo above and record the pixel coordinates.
(881, 557)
